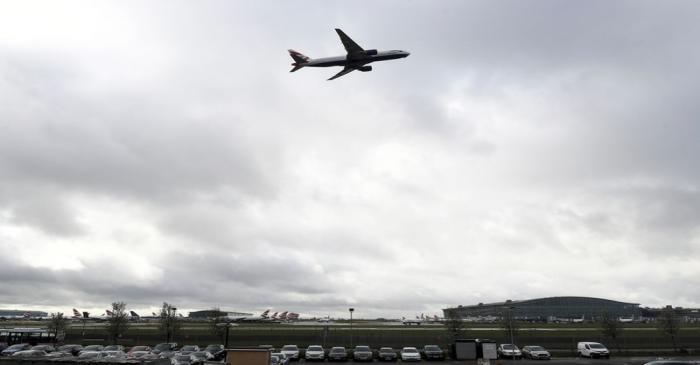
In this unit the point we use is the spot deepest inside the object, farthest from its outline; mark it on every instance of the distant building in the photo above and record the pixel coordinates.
(18, 313)
(548, 309)
(209, 313)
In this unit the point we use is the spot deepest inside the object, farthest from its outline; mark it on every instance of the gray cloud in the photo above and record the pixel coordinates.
(152, 154)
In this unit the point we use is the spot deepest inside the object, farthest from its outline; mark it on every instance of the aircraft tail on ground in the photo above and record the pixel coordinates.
(299, 60)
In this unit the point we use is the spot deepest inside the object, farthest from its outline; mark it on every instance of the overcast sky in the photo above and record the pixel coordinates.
(158, 151)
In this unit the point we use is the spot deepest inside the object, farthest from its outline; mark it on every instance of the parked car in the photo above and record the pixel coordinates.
(16, 348)
(362, 353)
(672, 362)
(314, 352)
(592, 350)
(113, 354)
(138, 349)
(199, 357)
(410, 354)
(216, 351)
(188, 349)
(181, 360)
(433, 352)
(387, 354)
(292, 351)
(338, 354)
(72, 349)
(535, 352)
(59, 354)
(45, 348)
(90, 355)
(509, 350)
(141, 355)
(113, 348)
(92, 348)
(30, 353)
(164, 347)
(282, 359)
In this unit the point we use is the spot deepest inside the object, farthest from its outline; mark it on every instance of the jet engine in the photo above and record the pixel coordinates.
(365, 68)
(371, 52)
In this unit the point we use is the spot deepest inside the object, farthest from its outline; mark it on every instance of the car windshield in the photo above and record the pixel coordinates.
(111, 348)
(188, 348)
(338, 349)
(182, 357)
(214, 347)
(290, 348)
(536, 348)
(89, 355)
(139, 348)
(508, 347)
(315, 348)
(596, 346)
(432, 348)
(410, 350)
(386, 349)
(93, 348)
(362, 348)
(163, 346)
(16, 347)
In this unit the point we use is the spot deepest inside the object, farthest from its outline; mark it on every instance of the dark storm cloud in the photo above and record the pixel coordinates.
(176, 134)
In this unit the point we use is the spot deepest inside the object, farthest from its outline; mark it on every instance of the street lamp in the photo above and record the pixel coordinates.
(351, 310)
(228, 326)
(512, 341)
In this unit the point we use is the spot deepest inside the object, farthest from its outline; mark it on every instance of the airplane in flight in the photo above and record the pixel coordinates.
(357, 58)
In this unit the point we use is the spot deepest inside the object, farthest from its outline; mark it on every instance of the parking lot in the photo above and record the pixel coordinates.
(556, 361)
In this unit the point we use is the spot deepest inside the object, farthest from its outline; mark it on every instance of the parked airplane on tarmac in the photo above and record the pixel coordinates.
(357, 58)
(407, 322)
(264, 316)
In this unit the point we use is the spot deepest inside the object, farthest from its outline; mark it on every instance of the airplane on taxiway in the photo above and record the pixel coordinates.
(357, 58)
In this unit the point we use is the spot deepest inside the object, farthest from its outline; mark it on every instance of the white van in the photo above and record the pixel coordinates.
(592, 350)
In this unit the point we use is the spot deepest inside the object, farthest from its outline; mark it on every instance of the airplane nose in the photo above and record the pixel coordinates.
(407, 53)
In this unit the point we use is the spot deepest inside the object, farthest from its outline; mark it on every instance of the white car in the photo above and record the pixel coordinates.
(292, 351)
(592, 350)
(509, 350)
(410, 354)
(314, 352)
(536, 352)
(282, 359)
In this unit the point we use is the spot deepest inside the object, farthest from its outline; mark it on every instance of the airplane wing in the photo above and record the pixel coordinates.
(350, 46)
(346, 70)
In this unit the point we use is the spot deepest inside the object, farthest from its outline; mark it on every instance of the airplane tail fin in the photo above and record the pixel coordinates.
(299, 60)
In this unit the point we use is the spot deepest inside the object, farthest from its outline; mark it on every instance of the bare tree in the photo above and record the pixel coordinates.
(57, 326)
(216, 324)
(118, 322)
(454, 325)
(169, 323)
(611, 328)
(669, 323)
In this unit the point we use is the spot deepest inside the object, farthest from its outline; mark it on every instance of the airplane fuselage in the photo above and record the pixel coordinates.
(356, 61)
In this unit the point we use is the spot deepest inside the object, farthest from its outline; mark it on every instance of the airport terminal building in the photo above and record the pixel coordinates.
(546, 309)
(204, 314)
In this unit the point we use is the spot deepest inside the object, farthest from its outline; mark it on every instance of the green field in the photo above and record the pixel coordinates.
(561, 339)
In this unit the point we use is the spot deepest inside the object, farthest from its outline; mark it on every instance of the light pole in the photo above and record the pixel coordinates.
(351, 310)
(228, 326)
(512, 341)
